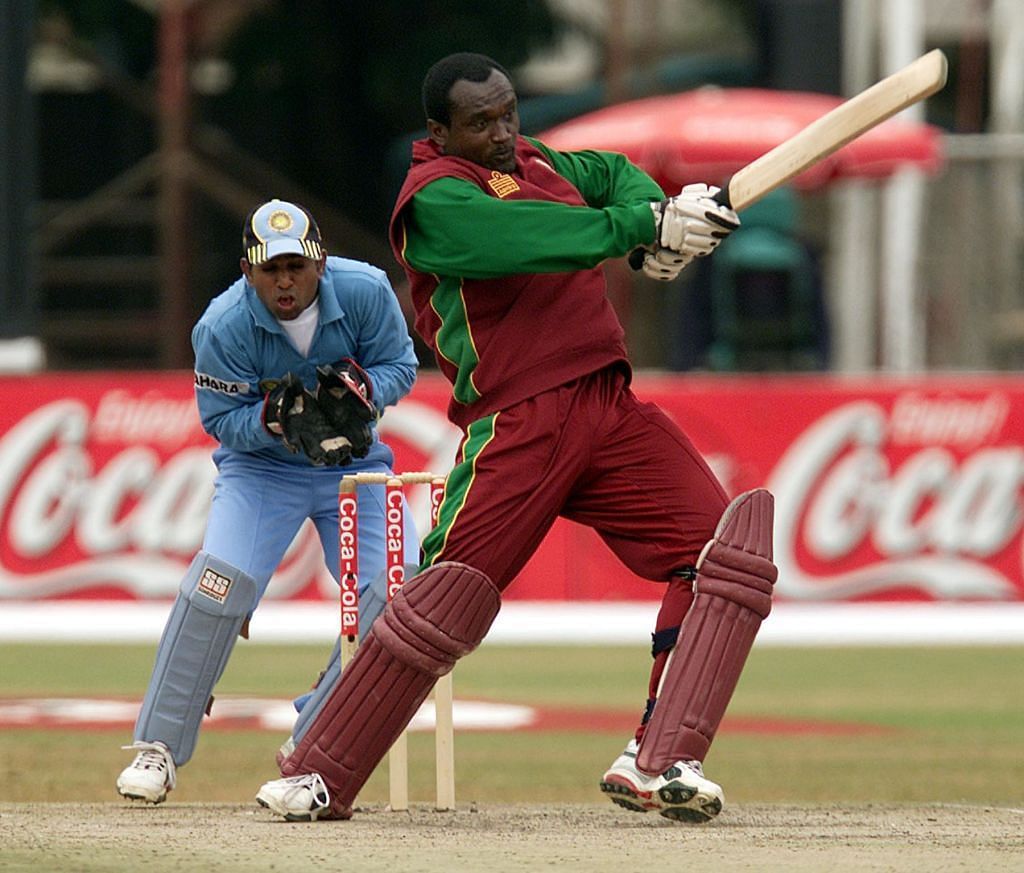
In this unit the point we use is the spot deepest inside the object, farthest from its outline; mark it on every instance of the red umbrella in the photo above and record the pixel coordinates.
(707, 134)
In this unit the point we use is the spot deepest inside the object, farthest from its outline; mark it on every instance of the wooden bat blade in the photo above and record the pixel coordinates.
(836, 128)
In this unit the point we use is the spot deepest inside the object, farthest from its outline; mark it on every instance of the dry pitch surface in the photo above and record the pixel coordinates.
(87, 838)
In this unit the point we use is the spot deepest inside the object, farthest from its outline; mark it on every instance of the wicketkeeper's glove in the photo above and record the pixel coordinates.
(292, 414)
(344, 393)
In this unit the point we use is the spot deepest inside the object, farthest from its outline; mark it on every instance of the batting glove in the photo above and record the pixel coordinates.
(664, 264)
(693, 223)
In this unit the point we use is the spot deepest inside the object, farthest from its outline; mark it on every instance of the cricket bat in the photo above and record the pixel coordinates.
(834, 129)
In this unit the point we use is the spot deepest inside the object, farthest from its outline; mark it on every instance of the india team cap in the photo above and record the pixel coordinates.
(280, 228)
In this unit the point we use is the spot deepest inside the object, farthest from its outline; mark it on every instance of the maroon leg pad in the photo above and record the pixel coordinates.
(437, 617)
(733, 594)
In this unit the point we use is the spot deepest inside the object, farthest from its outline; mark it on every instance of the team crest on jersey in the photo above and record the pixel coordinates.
(212, 383)
(502, 184)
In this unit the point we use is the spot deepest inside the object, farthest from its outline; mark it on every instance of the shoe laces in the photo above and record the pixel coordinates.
(693, 767)
(154, 756)
(312, 782)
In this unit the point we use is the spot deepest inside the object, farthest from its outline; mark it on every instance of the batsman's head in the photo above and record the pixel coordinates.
(472, 110)
(280, 228)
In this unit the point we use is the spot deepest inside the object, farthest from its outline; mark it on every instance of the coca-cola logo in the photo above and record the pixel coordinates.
(905, 493)
(920, 498)
(133, 522)
(394, 536)
(118, 497)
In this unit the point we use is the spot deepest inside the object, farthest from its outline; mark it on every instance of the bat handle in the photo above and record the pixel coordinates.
(723, 194)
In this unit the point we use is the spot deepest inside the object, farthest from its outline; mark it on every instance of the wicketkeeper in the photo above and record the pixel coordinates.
(294, 364)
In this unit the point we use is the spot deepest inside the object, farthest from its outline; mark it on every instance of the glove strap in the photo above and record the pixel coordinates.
(273, 400)
(360, 379)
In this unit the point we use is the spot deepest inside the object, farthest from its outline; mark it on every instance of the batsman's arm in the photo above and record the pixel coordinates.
(455, 229)
(603, 178)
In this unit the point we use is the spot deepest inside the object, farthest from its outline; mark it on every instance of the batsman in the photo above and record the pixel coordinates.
(502, 240)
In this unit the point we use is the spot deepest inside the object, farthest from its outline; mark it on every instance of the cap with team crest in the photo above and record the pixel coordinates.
(280, 228)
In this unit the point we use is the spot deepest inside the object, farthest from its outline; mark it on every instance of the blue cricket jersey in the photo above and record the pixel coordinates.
(238, 343)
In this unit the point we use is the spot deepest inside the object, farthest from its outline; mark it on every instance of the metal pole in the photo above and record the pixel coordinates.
(175, 249)
(904, 333)
(1007, 29)
(20, 348)
(616, 53)
(854, 283)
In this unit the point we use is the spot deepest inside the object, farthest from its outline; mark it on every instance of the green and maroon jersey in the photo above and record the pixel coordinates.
(504, 269)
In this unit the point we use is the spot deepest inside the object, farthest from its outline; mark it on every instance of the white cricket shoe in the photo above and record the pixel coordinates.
(297, 798)
(150, 776)
(681, 793)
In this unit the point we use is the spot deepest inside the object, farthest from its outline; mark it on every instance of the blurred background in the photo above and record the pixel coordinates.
(136, 134)
(823, 352)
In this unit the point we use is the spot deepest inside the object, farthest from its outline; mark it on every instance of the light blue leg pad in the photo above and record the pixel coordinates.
(372, 601)
(213, 601)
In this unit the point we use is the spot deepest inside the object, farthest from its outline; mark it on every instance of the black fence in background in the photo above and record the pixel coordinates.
(18, 295)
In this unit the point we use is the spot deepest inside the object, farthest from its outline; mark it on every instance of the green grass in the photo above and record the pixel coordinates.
(951, 724)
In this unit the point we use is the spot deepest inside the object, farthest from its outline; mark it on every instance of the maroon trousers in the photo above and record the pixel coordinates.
(592, 452)
(589, 451)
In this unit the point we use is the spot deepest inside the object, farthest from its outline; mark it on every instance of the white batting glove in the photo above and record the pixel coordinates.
(693, 223)
(664, 264)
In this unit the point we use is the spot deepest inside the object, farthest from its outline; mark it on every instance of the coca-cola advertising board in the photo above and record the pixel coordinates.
(886, 490)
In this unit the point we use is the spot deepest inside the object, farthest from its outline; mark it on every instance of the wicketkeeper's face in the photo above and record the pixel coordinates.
(484, 123)
(287, 284)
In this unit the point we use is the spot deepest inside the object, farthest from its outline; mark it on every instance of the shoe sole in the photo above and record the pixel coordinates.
(288, 816)
(144, 798)
(675, 801)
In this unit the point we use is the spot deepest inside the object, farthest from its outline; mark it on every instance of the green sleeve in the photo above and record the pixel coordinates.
(455, 229)
(603, 178)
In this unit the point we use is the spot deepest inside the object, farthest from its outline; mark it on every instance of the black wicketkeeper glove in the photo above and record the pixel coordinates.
(291, 413)
(344, 394)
